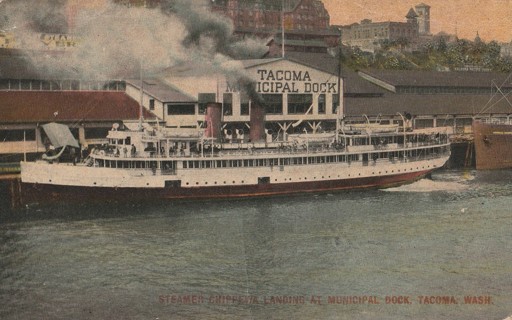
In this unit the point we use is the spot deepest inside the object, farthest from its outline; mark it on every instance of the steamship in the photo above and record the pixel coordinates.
(150, 162)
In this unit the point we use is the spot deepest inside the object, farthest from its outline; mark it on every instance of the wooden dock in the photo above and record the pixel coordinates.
(11, 189)
(10, 176)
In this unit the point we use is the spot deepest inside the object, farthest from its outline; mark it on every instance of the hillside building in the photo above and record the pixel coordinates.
(423, 12)
(369, 36)
(265, 17)
(306, 23)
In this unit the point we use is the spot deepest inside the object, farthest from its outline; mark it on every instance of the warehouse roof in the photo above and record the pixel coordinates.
(439, 79)
(42, 106)
(163, 91)
(418, 104)
(354, 84)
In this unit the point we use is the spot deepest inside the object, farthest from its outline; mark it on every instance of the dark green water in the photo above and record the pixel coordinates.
(448, 237)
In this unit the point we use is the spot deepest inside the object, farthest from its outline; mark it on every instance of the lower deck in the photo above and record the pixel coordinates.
(33, 193)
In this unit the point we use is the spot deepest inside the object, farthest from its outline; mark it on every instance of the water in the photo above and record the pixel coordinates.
(283, 257)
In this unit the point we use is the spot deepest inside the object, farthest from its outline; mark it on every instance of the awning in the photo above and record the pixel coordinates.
(60, 135)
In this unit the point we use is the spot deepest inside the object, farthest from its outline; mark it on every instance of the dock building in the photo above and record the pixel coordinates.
(293, 96)
(303, 86)
(297, 94)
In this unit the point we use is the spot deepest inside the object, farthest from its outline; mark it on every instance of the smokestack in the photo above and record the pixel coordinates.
(257, 120)
(213, 120)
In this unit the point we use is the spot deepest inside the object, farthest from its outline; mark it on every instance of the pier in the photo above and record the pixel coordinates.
(10, 190)
(463, 153)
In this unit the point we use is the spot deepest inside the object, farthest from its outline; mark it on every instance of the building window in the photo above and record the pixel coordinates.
(204, 99)
(299, 103)
(321, 104)
(151, 104)
(96, 133)
(273, 103)
(17, 135)
(181, 109)
(424, 123)
(335, 103)
(244, 104)
(227, 104)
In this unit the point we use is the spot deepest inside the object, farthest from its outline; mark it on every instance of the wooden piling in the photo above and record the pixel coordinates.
(13, 189)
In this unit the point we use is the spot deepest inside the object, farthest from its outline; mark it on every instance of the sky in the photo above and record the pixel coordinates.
(492, 19)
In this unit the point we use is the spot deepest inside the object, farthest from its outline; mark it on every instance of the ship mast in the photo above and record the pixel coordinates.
(340, 94)
(141, 110)
(282, 28)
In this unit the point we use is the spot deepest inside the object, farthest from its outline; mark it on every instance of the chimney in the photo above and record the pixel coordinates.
(213, 120)
(257, 120)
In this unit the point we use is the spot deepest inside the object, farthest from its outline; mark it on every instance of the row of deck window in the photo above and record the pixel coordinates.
(197, 164)
(170, 166)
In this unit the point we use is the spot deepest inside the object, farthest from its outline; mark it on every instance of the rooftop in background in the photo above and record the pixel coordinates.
(67, 106)
(189, 69)
(406, 78)
(427, 105)
(269, 5)
(436, 82)
(162, 91)
(299, 43)
(16, 65)
(354, 84)
(46, 64)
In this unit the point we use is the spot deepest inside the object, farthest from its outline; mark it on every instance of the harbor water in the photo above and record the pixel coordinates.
(435, 249)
